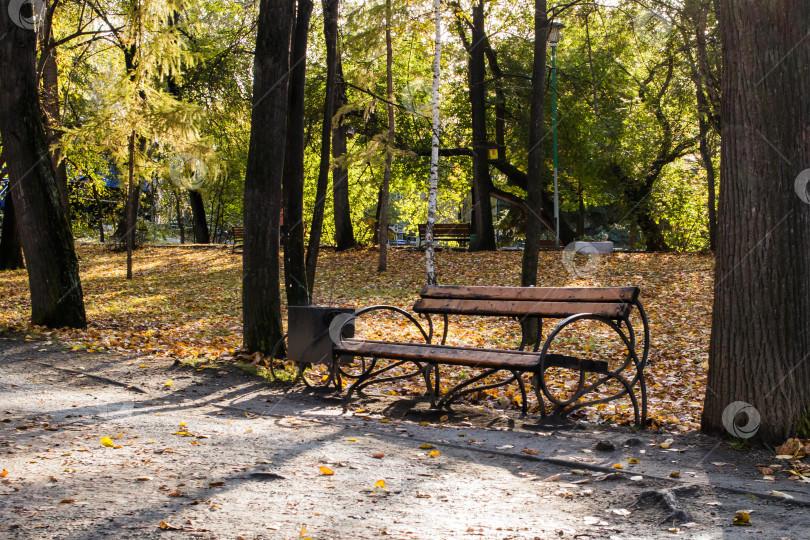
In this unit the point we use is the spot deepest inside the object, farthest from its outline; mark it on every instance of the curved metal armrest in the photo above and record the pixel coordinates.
(646, 325)
(629, 341)
(383, 307)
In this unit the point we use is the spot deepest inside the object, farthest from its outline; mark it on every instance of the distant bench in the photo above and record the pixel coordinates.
(446, 232)
(238, 238)
(611, 306)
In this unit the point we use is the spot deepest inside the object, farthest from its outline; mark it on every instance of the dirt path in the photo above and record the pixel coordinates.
(222, 455)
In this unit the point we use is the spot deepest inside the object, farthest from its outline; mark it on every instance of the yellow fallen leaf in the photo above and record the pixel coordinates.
(106, 441)
(426, 446)
(617, 466)
(633, 461)
(248, 431)
(142, 365)
(530, 452)
(444, 418)
(4, 473)
(434, 453)
(67, 501)
(358, 411)
(667, 443)
(424, 423)
(303, 531)
(742, 518)
(384, 420)
(379, 484)
(352, 440)
(326, 470)
(675, 474)
(183, 433)
(168, 383)
(183, 424)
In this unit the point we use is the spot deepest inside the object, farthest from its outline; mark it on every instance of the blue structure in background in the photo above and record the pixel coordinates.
(3, 189)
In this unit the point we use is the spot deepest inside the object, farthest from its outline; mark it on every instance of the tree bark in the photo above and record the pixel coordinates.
(179, 217)
(534, 188)
(133, 198)
(11, 255)
(52, 115)
(382, 226)
(295, 272)
(534, 180)
(261, 294)
(433, 186)
(344, 232)
(760, 347)
(53, 270)
(330, 19)
(482, 223)
(201, 233)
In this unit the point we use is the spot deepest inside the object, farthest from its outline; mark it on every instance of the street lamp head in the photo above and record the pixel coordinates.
(554, 33)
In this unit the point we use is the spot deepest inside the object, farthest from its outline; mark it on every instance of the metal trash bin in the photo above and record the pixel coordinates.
(308, 339)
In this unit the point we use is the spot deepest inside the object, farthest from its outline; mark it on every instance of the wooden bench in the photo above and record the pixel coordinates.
(611, 306)
(446, 232)
(238, 238)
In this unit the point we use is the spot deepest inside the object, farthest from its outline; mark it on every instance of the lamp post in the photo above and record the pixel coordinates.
(553, 39)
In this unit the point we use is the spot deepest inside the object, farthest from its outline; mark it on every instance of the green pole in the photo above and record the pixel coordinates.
(554, 138)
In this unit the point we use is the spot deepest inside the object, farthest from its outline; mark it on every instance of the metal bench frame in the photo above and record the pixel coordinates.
(428, 357)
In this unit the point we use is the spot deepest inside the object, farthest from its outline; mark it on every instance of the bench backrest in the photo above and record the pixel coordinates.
(447, 230)
(556, 302)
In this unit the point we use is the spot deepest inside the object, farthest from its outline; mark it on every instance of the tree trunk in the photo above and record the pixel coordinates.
(534, 188)
(52, 116)
(534, 180)
(11, 256)
(430, 264)
(295, 272)
(53, 270)
(382, 227)
(482, 224)
(708, 164)
(344, 233)
(99, 214)
(179, 217)
(760, 344)
(261, 294)
(201, 233)
(330, 20)
(133, 198)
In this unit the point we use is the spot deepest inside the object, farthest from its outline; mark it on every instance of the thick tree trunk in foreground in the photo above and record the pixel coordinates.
(344, 232)
(53, 270)
(261, 294)
(11, 256)
(534, 188)
(382, 207)
(330, 19)
(53, 117)
(295, 272)
(482, 216)
(760, 346)
(201, 233)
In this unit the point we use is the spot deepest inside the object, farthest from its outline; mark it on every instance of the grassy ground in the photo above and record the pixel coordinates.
(185, 304)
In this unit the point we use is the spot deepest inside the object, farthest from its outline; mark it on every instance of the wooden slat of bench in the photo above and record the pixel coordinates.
(464, 356)
(447, 231)
(519, 308)
(549, 294)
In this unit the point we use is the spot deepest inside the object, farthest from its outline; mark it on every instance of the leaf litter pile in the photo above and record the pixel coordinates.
(185, 304)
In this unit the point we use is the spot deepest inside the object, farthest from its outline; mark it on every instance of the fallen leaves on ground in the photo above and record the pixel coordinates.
(185, 304)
